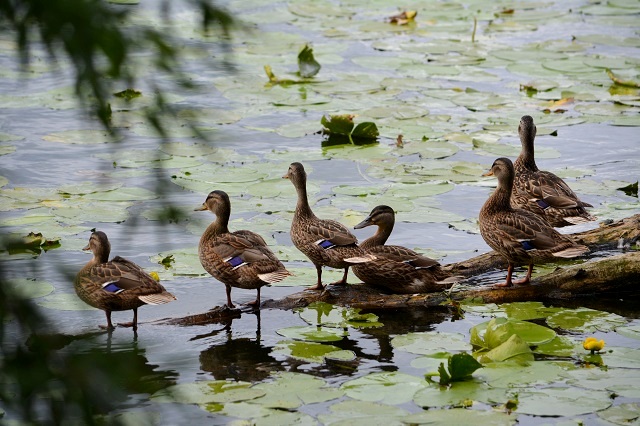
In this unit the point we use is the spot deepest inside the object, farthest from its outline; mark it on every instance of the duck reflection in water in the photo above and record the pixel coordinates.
(239, 358)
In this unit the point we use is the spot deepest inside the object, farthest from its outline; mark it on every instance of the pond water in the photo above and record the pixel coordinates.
(457, 104)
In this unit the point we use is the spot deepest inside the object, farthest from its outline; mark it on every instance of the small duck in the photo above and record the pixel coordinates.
(324, 242)
(517, 234)
(398, 269)
(116, 285)
(237, 259)
(542, 192)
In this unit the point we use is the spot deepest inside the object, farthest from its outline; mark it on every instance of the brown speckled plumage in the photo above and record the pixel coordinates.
(396, 268)
(116, 285)
(517, 234)
(542, 192)
(237, 259)
(309, 233)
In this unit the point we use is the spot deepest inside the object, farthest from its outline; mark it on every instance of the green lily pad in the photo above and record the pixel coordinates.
(321, 313)
(390, 387)
(460, 416)
(459, 394)
(514, 374)
(80, 137)
(206, 392)
(186, 263)
(623, 414)
(64, 302)
(585, 320)
(28, 289)
(311, 351)
(312, 333)
(426, 343)
(514, 348)
(632, 331)
(362, 413)
(289, 391)
(562, 401)
(495, 332)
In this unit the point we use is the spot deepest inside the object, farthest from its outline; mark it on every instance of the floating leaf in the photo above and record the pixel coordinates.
(562, 401)
(311, 351)
(127, 94)
(291, 390)
(585, 320)
(362, 413)
(307, 64)
(459, 394)
(338, 124)
(623, 414)
(390, 387)
(313, 333)
(28, 289)
(514, 349)
(65, 302)
(426, 343)
(206, 392)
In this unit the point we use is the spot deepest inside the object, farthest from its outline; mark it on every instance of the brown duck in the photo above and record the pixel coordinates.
(116, 285)
(396, 268)
(324, 242)
(517, 234)
(542, 192)
(237, 259)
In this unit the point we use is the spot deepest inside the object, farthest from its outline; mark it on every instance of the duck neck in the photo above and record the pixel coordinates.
(526, 157)
(302, 206)
(220, 225)
(500, 200)
(379, 238)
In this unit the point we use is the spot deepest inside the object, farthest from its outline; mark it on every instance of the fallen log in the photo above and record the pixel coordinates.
(612, 274)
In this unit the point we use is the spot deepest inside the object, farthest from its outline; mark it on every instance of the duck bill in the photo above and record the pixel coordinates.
(489, 173)
(201, 208)
(285, 176)
(364, 223)
(86, 248)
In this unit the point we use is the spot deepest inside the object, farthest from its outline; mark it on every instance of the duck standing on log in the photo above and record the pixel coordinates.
(396, 268)
(517, 234)
(542, 192)
(237, 259)
(116, 285)
(324, 242)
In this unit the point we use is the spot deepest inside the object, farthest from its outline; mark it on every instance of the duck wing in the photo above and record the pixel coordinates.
(553, 191)
(405, 255)
(526, 230)
(332, 231)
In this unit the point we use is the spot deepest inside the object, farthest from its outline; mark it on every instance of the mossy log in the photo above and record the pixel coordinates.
(614, 274)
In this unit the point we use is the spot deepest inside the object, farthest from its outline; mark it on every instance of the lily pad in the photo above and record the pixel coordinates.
(391, 387)
(321, 313)
(459, 394)
(28, 289)
(460, 416)
(426, 343)
(312, 333)
(65, 302)
(585, 320)
(623, 414)
(311, 351)
(206, 392)
(562, 401)
(80, 137)
(289, 391)
(362, 413)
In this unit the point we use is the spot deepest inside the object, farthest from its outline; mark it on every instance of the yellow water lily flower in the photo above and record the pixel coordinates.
(592, 344)
(155, 275)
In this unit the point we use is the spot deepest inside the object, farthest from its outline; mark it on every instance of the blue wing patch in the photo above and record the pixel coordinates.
(112, 288)
(235, 261)
(325, 244)
(526, 244)
(542, 204)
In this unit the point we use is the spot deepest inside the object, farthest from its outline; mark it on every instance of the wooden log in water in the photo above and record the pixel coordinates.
(614, 274)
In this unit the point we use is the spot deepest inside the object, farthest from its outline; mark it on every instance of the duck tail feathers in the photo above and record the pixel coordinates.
(157, 298)
(574, 251)
(275, 276)
(361, 259)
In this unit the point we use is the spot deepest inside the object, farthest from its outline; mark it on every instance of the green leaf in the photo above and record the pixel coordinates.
(307, 64)
(338, 124)
(461, 366)
(444, 376)
(366, 130)
(513, 349)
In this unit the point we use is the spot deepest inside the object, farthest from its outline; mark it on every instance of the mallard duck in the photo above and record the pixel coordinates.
(517, 234)
(324, 242)
(237, 259)
(399, 269)
(116, 285)
(542, 192)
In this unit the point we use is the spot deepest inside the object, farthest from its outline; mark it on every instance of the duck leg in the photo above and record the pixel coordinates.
(343, 281)
(256, 303)
(319, 285)
(526, 279)
(109, 323)
(508, 282)
(229, 304)
(133, 323)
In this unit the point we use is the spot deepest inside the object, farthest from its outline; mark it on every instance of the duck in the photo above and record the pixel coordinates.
(238, 259)
(325, 242)
(117, 284)
(542, 192)
(396, 268)
(521, 237)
